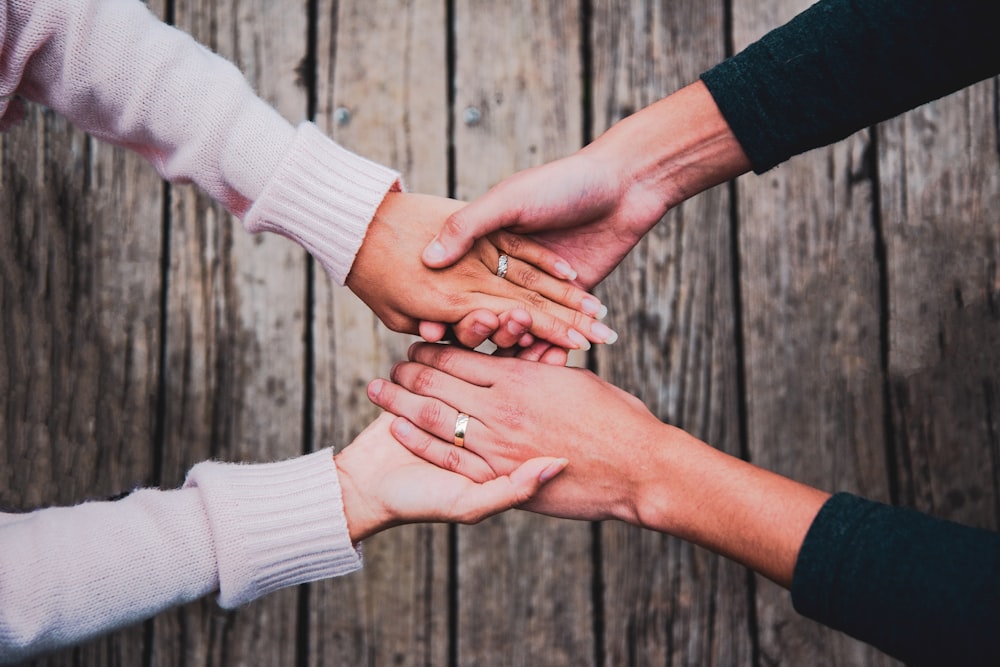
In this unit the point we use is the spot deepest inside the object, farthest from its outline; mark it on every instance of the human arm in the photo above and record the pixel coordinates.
(913, 586)
(71, 573)
(119, 73)
(838, 67)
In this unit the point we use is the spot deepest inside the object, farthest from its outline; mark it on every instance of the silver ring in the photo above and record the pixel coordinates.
(502, 266)
(461, 424)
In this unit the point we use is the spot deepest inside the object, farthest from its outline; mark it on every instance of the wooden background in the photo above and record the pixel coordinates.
(835, 320)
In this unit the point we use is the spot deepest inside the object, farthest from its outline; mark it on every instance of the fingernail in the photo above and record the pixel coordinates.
(374, 388)
(516, 328)
(578, 340)
(591, 306)
(603, 312)
(553, 469)
(403, 427)
(434, 252)
(481, 329)
(565, 270)
(605, 333)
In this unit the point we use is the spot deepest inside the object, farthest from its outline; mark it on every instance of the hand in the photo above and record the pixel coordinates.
(520, 410)
(389, 276)
(624, 463)
(384, 485)
(593, 206)
(581, 207)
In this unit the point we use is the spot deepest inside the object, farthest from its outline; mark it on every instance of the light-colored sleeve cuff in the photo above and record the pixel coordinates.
(322, 196)
(275, 524)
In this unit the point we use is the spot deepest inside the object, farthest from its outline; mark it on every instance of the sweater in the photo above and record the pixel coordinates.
(117, 72)
(843, 65)
(923, 590)
(240, 529)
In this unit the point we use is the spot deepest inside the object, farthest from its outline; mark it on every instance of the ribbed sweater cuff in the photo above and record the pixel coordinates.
(323, 197)
(275, 524)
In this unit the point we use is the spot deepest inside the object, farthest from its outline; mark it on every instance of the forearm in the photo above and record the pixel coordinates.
(67, 574)
(677, 147)
(924, 590)
(707, 497)
(119, 73)
(843, 65)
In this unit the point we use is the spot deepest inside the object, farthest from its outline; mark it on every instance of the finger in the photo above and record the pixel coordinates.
(555, 356)
(562, 292)
(473, 329)
(440, 453)
(431, 414)
(531, 251)
(432, 332)
(513, 327)
(545, 352)
(471, 367)
(487, 214)
(508, 491)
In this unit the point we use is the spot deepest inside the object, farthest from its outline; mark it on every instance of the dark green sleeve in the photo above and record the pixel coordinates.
(843, 65)
(921, 589)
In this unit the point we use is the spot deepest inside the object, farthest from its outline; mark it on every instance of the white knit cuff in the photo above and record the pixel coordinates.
(322, 196)
(275, 524)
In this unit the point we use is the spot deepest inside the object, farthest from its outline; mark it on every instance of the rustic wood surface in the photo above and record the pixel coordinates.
(833, 320)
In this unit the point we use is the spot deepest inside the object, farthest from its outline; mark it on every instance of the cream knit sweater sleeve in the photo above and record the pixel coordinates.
(116, 71)
(70, 573)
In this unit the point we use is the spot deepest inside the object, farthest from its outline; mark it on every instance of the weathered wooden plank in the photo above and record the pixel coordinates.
(79, 343)
(940, 176)
(666, 602)
(382, 92)
(810, 291)
(524, 582)
(235, 330)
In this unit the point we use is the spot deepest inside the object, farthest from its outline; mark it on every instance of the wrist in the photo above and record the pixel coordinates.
(725, 504)
(686, 147)
(364, 517)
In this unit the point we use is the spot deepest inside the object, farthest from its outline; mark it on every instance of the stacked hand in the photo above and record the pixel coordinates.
(623, 462)
(521, 410)
(388, 276)
(385, 485)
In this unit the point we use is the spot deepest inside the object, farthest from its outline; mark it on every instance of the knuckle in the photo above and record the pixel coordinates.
(536, 300)
(454, 225)
(452, 461)
(512, 243)
(423, 381)
(430, 414)
(528, 278)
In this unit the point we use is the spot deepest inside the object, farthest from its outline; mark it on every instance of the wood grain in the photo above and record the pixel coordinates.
(387, 73)
(811, 297)
(666, 602)
(235, 334)
(524, 582)
(940, 183)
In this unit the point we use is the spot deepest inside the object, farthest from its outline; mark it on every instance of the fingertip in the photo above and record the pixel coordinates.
(432, 332)
(553, 469)
(434, 253)
(374, 389)
(564, 270)
(401, 428)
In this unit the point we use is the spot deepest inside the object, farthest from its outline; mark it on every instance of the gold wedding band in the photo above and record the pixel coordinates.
(502, 266)
(461, 424)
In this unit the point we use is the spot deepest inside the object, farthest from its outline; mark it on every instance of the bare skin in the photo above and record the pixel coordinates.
(624, 463)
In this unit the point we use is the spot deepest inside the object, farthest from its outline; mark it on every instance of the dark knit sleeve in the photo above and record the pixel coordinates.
(921, 589)
(843, 65)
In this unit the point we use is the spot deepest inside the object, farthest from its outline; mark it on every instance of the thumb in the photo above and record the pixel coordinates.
(507, 491)
(461, 229)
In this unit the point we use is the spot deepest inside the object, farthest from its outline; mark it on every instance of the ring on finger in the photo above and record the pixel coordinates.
(461, 424)
(502, 266)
